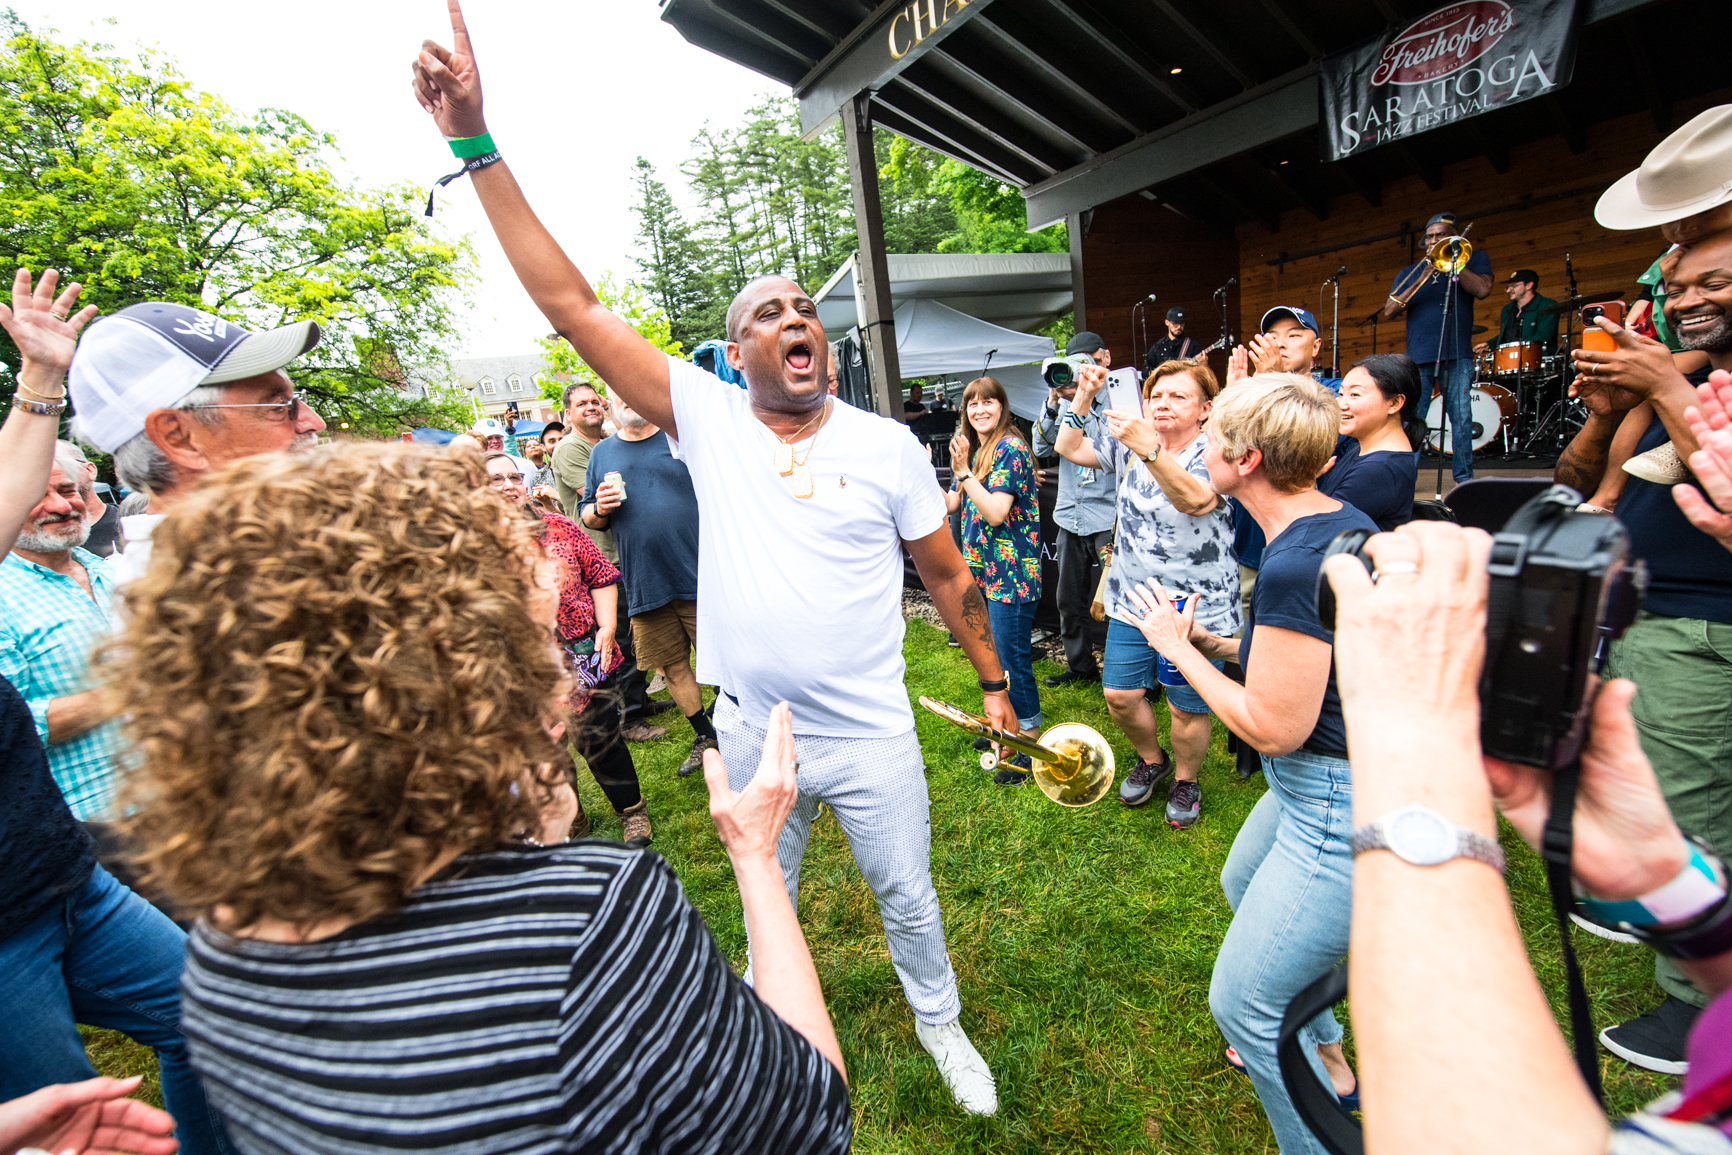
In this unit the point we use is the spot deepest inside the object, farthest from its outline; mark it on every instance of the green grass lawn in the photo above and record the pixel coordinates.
(1083, 941)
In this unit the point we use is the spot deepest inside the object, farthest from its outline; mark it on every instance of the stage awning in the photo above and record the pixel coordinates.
(1017, 291)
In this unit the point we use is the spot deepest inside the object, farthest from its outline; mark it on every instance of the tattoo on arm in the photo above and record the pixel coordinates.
(1582, 465)
(974, 614)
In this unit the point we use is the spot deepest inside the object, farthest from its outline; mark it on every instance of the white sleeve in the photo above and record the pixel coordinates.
(917, 505)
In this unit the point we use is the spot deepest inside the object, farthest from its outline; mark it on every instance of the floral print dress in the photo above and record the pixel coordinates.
(1006, 558)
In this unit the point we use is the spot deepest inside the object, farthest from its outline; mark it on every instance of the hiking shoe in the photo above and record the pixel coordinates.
(1070, 676)
(1014, 771)
(695, 760)
(983, 744)
(1139, 785)
(636, 824)
(965, 1072)
(644, 732)
(1655, 1041)
(1184, 803)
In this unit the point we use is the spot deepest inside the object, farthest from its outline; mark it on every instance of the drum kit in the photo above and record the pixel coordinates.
(1520, 395)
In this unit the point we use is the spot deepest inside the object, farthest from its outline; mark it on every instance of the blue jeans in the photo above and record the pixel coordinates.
(1012, 627)
(1458, 383)
(107, 958)
(1289, 880)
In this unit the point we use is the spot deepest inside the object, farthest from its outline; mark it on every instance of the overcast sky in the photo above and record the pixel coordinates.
(575, 92)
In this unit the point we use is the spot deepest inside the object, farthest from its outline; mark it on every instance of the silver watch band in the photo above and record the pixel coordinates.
(1466, 843)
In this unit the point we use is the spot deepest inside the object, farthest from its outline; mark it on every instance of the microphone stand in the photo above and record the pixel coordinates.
(1220, 295)
(1335, 327)
(1443, 422)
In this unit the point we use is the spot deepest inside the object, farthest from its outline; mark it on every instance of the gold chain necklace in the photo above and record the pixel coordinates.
(785, 455)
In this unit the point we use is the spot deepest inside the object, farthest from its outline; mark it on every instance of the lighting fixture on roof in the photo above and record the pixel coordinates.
(1175, 70)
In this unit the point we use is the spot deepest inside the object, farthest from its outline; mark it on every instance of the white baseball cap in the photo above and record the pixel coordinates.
(150, 356)
(487, 427)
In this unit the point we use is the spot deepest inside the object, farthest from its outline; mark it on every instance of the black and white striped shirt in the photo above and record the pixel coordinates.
(537, 1000)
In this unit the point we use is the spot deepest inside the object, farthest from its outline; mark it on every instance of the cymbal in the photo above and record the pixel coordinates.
(1569, 303)
(1478, 329)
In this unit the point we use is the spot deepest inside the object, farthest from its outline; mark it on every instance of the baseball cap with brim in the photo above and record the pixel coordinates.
(1523, 275)
(151, 355)
(487, 427)
(1084, 342)
(1303, 316)
(1177, 315)
(1689, 172)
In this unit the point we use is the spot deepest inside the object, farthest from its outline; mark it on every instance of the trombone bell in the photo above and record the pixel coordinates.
(1073, 764)
(1450, 255)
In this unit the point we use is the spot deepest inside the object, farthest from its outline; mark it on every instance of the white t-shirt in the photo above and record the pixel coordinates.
(800, 600)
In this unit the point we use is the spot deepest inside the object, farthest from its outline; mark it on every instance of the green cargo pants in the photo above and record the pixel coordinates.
(1682, 668)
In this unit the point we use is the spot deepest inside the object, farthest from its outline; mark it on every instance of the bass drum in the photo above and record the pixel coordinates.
(1490, 404)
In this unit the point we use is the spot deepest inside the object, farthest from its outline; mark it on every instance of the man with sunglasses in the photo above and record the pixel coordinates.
(175, 393)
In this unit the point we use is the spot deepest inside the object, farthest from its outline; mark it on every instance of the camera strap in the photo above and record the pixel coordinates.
(1556, 845)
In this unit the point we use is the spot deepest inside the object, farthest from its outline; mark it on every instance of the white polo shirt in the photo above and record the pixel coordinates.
(800, 599)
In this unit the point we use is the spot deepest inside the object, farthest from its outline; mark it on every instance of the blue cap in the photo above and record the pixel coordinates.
(1303, 316)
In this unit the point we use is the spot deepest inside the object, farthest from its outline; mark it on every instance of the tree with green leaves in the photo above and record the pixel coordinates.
(672, 259)
(122, 174)
(626, 300)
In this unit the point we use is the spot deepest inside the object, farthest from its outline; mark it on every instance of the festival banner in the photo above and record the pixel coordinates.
(1461, 60)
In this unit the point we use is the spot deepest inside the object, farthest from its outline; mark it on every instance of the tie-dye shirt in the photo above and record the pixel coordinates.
(1192, 556)
(1006, 558)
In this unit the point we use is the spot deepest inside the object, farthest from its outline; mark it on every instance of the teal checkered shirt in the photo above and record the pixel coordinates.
(49, 628)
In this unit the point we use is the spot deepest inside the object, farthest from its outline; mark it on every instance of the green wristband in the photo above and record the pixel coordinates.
(465, 147)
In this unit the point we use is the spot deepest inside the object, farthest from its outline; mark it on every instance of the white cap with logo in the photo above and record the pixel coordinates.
(150, 356)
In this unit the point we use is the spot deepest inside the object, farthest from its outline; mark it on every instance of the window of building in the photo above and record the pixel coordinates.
(487, 388)
(515, 382)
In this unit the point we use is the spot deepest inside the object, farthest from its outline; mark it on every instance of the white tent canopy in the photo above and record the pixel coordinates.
(934, 340)
(1019, 291)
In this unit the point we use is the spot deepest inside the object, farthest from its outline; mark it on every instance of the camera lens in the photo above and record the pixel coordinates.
(1592, 313)
(1351, 541)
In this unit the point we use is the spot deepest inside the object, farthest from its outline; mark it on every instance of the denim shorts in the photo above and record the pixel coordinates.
(1129, 664)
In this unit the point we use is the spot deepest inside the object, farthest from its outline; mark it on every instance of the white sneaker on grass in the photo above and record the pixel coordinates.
(965, 1072)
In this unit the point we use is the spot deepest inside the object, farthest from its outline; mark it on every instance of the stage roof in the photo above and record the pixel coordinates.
(1208, 106)
(1014, 290)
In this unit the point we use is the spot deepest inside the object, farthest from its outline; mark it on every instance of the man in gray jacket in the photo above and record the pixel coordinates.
(1084, 516)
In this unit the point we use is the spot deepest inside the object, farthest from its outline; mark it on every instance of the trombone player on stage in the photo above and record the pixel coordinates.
(1422, 291)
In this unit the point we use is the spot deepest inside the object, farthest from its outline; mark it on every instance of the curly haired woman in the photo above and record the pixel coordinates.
(586, 625)
(340, 671)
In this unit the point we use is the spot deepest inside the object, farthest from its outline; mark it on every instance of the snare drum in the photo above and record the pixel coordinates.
(1517, 357)
(1490, 404)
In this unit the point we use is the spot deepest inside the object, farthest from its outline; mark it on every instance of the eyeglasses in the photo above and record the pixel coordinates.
(501, 480)
(279, 411)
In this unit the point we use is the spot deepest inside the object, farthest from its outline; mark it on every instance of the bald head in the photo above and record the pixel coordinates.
(776, 342)
(754, 289)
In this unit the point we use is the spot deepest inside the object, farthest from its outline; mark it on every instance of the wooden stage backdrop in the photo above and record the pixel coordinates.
(1527, 217)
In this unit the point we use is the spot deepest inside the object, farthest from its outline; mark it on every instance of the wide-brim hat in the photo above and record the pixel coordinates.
(1689, 172)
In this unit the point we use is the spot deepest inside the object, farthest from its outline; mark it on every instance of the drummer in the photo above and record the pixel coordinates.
(1527, 317)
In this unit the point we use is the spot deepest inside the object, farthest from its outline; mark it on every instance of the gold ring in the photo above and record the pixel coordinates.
(57, 316)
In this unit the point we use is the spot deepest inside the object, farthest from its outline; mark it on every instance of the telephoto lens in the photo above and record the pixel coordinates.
(1562, 589)
(1061, 372)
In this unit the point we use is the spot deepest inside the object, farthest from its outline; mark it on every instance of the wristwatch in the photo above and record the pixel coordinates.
(1150, 457)
(1420, 835)
(40, 408)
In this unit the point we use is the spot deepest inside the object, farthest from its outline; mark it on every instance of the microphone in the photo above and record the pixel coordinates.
(1152, 297)
(1339, 273)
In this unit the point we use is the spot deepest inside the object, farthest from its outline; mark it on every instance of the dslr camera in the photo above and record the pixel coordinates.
(1562, 588)
(1061, 372)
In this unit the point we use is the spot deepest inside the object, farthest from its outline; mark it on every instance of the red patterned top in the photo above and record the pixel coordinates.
(585, 569)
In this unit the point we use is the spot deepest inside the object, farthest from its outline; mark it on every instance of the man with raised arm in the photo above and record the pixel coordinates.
(805, 505)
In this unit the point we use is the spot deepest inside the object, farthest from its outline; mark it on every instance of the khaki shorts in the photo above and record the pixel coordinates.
(665, 634)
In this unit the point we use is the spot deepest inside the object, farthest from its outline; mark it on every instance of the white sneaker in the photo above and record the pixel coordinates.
(964, 1071)
(1660, 465)
(1604, 932)
(657, 684)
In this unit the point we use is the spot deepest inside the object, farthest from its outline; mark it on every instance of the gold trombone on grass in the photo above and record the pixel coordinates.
(1073, 764)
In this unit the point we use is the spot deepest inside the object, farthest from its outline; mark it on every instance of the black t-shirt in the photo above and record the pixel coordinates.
(1689, 573)
(44, 853)
(1180, 348)
(1286, 596)
(1379, 485)
(656, 528)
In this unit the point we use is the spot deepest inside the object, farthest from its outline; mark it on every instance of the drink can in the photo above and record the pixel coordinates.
(1166, 673)
(613, 478)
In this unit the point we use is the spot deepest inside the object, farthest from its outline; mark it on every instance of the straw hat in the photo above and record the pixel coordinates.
(1689, 172)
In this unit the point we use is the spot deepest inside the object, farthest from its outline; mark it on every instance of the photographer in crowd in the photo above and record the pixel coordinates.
(1289, 875)
(1436, 946)
(1679, 650)
(332, 816)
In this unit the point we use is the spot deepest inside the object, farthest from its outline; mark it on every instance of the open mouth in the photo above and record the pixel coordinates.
(799, 357)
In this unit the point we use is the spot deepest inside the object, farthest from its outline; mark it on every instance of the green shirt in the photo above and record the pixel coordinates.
(570, 463)
(1529, 324)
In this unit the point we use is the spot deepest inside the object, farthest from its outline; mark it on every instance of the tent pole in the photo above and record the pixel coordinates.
(873, 266)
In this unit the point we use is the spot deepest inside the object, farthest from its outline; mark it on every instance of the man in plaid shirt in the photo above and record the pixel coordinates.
(55, 606)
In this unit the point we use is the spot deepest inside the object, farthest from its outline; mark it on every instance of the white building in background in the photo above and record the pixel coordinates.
(493, 383)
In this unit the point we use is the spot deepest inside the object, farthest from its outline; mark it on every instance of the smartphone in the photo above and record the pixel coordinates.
(1594, 337)
(1125, 392)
